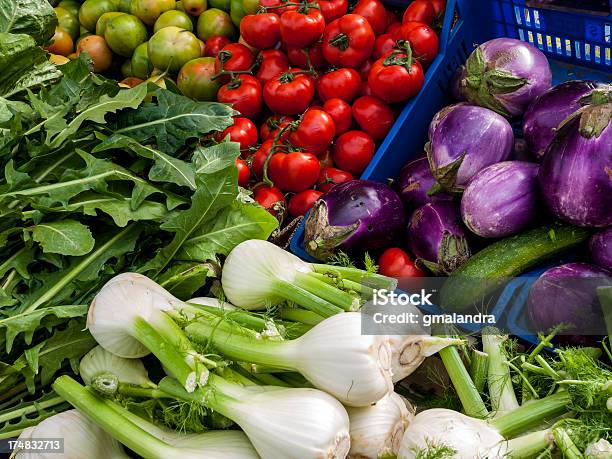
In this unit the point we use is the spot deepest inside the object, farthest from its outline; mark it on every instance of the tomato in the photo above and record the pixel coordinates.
(261, 31)
(375, 13)
(215, 44)
(71, 6)
(301, 29)
(125, 33)
(364, 70)
(274, 4)
(331, 176)
(422, 39)
(61, 43)
(98, 50)
(149, 10)
(172, 47)
(173, 18)
(438, 5)
(340, 111)
(341, 84)
(348, 41)
(214, 22)
(298, 57)
(420, 11)
(68, 21)
(384, 45)
(294, 171)
(353, 151)
(242, 131)
(244, 94)
(396, 77)
(273, 125)
(194, 7)
(271, 199)
(373, 116)
(271, 62)
(393, 28)
(315, 131)
(259, 157)
(244, 174)
(394, 262)
(326, 159)
(195, 79)
(365, 89)
(289, 93)
(235, 58)
(302, 202)
(91, 10)
(332, 9)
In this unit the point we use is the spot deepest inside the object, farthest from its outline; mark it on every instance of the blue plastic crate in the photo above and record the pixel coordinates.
(583, 30)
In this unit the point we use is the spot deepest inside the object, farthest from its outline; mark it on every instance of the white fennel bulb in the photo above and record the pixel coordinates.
(214, 302)
(601, 449)
(377, 430)
(468, 437)
(82, 438)
(99, 363)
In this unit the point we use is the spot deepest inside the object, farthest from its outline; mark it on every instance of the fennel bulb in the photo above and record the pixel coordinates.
(602, 449)
(377, 430)
(82, 438)
(214, 302)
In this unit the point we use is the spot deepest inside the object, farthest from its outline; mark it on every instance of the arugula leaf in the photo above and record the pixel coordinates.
(184, 279)
(215, 158)
(32, 17)
(30, 413)
(66, 237)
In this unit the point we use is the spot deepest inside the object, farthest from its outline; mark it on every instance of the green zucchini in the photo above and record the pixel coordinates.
(485, 271)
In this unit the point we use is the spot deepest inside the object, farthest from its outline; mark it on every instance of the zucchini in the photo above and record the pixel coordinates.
(485, 271)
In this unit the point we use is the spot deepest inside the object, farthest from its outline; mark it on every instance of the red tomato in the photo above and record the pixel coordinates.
(396, 77)
(422, 39)
(271, 62)
(340, 111)
(342, 84)
(375, 13)
(294, 171)
(234, 57)
(259, 158)
(393, 28)
(348, 41)
(215, 44)
(332, 9)
(272, 125)
(365, 89)
(353, 151)
(326, 159)
(394, 262)
(438, 5)
(364, 70)
(374, 116)
(315, 131)
(384, 45)
(331, 176)
(271, 199)
(302, 202)
(298, 57)
(244, 174)
(289, 93)
(261, 30)
(275, 4)
(244, 94)
(242, 131)
(300, 29)
(420, 11)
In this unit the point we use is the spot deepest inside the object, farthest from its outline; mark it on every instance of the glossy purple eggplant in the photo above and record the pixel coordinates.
(549, 109)
(466, 140)
(436, 237)
(414, 183)
(505, 75)
(600, 247)
(576, 174)
(435, 121)
(354, 215)
(501, 199)
(567, 294)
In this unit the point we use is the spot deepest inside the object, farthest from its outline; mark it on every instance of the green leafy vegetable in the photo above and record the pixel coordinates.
(32, 17)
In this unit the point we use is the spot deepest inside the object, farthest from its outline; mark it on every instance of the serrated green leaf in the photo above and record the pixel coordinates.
(66, 237)
(19, 261)
(184, 279)
(215, 158)
(31, 17)
(26, 413)
(230, 227)
(172, 121)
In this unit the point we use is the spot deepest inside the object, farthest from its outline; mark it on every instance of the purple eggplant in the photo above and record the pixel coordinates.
(441, 115)
(567, 294)
(354, 215)
(576, 175)
(466, 140)
(501, 199)
(436, 237)
(414, 182)
(547, 111)
(505, 75)
(600, 247)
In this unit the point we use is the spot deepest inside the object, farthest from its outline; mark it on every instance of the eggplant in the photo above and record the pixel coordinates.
(354, 215)
(435, 121)
(575, 178)
(501, 199)
(567, 294)
(465, 140)
(549, 109)
(414, 183)
(600, 247)
(437, 239)
(505, 75)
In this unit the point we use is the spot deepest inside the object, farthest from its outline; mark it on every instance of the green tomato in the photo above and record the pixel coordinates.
(250, 6)
(72, 6)
(125, 5)
(195, 79)
(237, 11)
(220, 4)
(91, 11)
(173, 18)
(67, 21)
(149, 10)
(172, 47)
(126, 69)
(141, 65)
(194, 7)
(124, 33)
(215, 22)
(104, 20)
